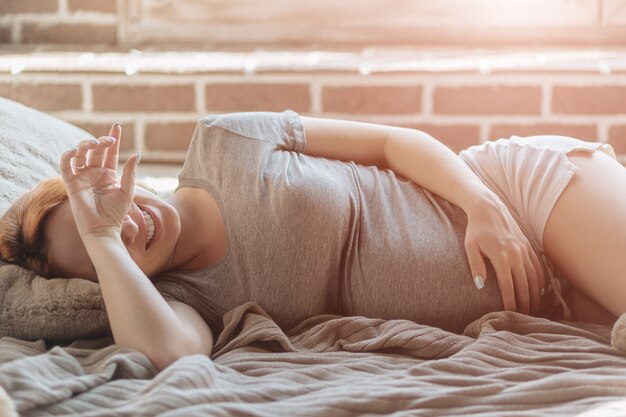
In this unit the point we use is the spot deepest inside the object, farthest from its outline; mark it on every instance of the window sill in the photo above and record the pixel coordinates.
(20, 59)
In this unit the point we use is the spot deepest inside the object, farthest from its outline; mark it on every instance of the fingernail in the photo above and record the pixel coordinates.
(138, 157)
(478, 280)
(117, 124)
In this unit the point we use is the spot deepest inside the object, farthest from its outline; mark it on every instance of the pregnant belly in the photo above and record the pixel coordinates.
(427, 280)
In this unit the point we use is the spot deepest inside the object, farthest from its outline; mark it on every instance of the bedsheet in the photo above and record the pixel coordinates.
(504, 363)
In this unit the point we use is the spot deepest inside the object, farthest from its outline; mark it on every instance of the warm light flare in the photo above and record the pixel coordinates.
(366, 62)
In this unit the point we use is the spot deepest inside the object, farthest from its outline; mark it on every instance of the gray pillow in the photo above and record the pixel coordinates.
(33, 307)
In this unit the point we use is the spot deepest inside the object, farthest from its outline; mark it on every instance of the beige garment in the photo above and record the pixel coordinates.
(310, 235)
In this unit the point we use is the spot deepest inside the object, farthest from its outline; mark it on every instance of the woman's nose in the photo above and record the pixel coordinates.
(129, 230)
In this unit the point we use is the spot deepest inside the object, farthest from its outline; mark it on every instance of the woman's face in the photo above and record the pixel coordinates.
(68, 255)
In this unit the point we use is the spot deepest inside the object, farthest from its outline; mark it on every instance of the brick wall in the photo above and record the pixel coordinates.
(58, 22)
(159, 111)
(158, 98)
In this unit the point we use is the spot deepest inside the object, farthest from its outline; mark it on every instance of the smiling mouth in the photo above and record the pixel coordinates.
(150, 224)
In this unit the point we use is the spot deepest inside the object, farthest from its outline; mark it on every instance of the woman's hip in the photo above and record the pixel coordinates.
(529, 174)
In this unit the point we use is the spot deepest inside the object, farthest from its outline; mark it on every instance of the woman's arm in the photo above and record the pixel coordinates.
(419, 157)
(491, 230)
(139, 316)
(410, 153)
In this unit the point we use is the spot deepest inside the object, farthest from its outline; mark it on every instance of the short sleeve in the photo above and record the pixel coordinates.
(233, 151)
(283, 129)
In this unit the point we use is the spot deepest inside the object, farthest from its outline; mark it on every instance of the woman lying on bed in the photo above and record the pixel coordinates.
(312, 216)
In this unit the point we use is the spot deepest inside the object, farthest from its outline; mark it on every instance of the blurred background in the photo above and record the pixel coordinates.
(465, 71)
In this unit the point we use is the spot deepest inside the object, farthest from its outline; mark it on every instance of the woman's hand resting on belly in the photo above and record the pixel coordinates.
(493, 233)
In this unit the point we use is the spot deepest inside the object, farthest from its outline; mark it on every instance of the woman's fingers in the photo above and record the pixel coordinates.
(127, 183)
(112, 153)
(522, 286)
(65, 164)
(505, 282)
(477, 265)
(91, 152)
(80, 159)
(541, 276)
(492, 233)
(96, 156)
(88, 153)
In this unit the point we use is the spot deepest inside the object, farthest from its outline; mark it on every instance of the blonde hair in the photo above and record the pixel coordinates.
(21, 232)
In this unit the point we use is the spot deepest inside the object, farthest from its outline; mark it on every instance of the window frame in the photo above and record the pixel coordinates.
(237, 24)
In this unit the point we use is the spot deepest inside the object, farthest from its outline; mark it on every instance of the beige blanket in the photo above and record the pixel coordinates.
(505, 363)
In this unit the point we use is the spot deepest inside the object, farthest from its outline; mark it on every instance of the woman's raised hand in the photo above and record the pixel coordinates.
(99, 200)
(492, 232)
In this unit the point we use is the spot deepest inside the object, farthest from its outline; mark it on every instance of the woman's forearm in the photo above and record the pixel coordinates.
(138, 315)
(419, 157)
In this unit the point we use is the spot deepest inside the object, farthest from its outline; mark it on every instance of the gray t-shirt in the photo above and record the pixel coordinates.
(310, 235)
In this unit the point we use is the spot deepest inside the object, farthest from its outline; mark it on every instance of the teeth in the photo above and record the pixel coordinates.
(150, 224)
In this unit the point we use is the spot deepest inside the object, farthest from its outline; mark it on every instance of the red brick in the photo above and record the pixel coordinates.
(102, 129)
(588, 132)
(487, 100)
(617, 139)
(45, 97)
(28, 6)
(102, 6)
(170, 136)
(144, 98)
(405, 99)
(609, 99)
(455, 137)
(257, 97)
(69, 33)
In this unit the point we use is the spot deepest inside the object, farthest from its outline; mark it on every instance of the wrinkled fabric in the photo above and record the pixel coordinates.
(504, 364)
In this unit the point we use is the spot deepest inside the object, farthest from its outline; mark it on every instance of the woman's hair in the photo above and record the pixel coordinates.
(21, 232)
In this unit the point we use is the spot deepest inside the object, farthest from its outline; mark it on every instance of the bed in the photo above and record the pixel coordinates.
(57, 356)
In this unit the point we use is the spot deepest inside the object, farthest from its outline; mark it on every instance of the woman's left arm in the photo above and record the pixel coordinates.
(410, 153)
(419, 157)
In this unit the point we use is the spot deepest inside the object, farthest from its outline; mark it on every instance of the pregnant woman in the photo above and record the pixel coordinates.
(309, 216)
